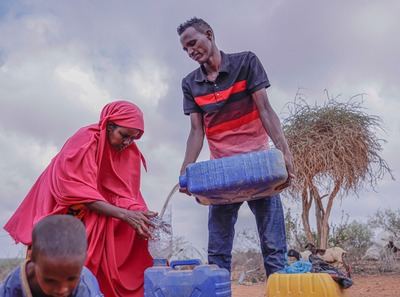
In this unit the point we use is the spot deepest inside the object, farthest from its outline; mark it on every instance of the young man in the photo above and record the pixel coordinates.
(227, 102)
(56, 265)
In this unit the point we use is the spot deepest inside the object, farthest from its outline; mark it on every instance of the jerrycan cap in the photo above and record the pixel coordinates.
(160, 262)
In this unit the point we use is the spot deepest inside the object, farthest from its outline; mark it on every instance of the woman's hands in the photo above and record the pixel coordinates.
(140, 221)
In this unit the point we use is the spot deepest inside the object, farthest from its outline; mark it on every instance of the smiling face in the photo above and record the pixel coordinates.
(54, 277)
(199, 46)
(120, 137)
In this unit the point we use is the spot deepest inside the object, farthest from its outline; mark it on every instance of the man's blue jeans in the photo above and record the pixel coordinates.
(271, 230)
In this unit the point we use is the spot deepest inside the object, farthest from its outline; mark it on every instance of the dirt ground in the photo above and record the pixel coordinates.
(364, 286)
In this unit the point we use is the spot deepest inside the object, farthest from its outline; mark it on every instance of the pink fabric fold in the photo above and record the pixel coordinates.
(88, 169)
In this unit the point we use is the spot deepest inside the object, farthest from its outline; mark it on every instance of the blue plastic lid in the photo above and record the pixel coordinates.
(185, 262)
(160, 262)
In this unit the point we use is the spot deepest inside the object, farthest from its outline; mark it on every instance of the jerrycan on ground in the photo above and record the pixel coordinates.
(200, 281)
(237, 178)
(303, 285)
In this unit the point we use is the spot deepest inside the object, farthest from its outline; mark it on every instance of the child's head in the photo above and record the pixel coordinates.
(58, 254)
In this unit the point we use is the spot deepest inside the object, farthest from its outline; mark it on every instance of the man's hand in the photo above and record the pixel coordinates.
(140, 221)
(185, 191)
(290, 169)
(193, 145)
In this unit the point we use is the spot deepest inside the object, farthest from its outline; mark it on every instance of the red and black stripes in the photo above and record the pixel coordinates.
(221, 95)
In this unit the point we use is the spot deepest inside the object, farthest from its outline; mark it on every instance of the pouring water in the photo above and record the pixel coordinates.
(160, 244)
(171, 193)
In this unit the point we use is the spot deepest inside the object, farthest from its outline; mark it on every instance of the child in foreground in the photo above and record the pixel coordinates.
(55, 268)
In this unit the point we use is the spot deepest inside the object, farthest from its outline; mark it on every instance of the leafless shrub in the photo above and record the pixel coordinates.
(335, 150)
(7, 265)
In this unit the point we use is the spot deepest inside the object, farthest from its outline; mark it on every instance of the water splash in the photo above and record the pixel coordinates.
(160, 243)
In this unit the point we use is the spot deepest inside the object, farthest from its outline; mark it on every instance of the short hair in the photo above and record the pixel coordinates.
(59, 236)
(197, 23)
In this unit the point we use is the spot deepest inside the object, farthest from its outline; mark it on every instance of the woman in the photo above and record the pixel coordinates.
(96, 177)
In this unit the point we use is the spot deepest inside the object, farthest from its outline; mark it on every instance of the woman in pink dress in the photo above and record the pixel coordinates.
(96, 177)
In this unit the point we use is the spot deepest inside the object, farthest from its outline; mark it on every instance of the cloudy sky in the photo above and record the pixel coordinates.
(61, 61)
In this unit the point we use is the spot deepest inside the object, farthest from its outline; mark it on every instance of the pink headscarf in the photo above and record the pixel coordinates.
(88, 169)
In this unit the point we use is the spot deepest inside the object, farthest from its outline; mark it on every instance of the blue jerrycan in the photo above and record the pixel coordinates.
(236, 178)
(200, 281)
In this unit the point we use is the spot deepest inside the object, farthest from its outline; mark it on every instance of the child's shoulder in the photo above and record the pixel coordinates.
(87, 274)
(12, 284)
(88, 286)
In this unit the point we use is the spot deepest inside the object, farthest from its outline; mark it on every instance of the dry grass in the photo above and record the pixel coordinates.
(336, 142)
(7, 265)
(335, 150)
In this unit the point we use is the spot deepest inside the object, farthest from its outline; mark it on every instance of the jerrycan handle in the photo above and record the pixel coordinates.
(183, 181)
(175, 263)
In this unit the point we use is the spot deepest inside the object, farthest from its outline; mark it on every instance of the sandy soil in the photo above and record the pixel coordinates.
(364, 286)
(386, 285)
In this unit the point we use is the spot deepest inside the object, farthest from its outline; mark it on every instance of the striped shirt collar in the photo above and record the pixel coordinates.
(201, 73)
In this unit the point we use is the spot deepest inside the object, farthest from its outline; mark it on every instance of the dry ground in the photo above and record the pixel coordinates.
(386, 285)
(383, 285)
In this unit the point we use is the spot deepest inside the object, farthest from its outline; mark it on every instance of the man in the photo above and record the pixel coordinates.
(227, 101)
(56, 265)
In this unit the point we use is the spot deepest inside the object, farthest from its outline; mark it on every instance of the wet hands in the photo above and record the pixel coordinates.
(141, 221)
(159, 228)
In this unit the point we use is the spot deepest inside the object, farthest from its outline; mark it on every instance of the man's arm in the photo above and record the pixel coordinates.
(194, 142)
(272, 126)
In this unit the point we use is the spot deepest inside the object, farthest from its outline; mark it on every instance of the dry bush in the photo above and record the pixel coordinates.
(7, 265)
(335, 141)
(354, 237)
(248, 267)
(335, 150)
(388, 220)
(387, 261)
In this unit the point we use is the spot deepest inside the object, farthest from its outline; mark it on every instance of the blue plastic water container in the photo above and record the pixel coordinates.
(237, 178)
(201, 281)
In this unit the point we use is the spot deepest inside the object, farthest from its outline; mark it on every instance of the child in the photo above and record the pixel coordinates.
(56, 265)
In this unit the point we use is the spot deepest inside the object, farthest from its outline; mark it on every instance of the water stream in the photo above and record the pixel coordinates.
(160, 244)
(171, 193)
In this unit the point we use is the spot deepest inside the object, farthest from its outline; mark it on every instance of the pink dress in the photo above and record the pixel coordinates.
(88, 169)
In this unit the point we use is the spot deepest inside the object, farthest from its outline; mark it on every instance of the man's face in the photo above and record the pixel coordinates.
(198, 45)
(57, 277)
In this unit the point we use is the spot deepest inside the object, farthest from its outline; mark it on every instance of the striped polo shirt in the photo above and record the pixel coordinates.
(230, 116)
